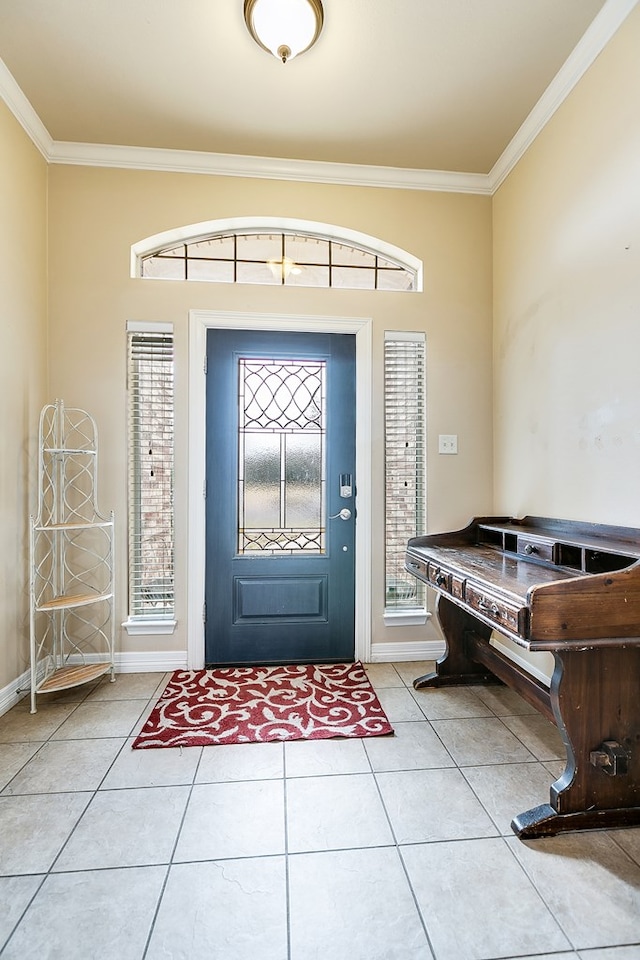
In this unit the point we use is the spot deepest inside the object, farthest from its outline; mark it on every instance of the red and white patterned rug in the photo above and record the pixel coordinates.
(257, 704)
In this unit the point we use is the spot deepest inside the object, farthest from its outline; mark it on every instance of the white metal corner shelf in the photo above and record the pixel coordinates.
(72, 626)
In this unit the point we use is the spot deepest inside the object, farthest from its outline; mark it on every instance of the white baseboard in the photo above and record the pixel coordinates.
(15, 691)
(409, 650)
(154, 661)
(165, 661)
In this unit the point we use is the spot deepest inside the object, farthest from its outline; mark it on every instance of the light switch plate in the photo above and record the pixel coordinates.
(448, 443)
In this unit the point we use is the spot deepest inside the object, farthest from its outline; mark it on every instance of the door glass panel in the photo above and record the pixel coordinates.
(261, 465)
(303, 480)
(281, 443)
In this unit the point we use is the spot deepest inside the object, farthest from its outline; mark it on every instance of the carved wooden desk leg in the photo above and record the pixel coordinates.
(455, 666)
(595, 694)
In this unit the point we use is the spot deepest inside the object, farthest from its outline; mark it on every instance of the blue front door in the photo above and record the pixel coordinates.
(280, 518)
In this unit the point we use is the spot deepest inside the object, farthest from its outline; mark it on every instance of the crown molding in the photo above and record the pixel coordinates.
(603, 27)
(267, 168)
(24, 113)
(596, 37)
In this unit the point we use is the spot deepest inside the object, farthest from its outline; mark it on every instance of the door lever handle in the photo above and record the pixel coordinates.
(345, 514)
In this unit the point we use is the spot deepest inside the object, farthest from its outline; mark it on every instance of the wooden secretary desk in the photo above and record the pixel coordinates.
(570, 588)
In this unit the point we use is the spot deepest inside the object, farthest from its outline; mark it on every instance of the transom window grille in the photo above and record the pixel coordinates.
(405, 467)
(151, 441)
(281, 470)
(290, 259)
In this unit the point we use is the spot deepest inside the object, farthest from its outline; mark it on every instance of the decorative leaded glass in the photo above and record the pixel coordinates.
(281, 471)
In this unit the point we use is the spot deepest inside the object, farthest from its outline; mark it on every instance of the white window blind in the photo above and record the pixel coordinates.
(151, 442)
(405, 463)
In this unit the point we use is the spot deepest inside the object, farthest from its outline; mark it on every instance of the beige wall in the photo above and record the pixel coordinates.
(95, 216)
(23, 373)
(562, 233)
(567, 305)
(565, 230)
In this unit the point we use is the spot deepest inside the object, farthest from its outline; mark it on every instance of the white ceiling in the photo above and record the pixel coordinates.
(419, 84)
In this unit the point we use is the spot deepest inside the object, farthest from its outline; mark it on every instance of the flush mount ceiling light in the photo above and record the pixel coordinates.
(284, 28)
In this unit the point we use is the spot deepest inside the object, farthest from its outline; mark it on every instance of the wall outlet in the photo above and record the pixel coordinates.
(448, 443)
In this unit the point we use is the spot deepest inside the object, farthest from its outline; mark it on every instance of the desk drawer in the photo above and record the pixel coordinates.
(457, 587)
(503, 614)
(419, 568)
(535, 548)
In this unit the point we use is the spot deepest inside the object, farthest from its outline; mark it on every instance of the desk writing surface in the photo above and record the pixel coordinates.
(505, 572)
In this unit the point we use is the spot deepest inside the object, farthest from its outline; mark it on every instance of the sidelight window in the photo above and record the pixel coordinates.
(150, 482)
(405, 463)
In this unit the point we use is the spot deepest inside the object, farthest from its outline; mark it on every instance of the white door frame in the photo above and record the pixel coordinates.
(199, 322)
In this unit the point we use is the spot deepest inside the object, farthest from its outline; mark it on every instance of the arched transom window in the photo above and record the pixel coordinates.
(293, 253)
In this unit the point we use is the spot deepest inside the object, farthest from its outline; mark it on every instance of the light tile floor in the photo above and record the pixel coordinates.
(395, 848)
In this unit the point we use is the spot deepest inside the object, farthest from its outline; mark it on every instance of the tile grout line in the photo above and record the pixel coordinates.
(540, 894)
(287, 878)
(94, 792)
(404, 868)
(288, 855)
(7, 940)
(49, 872)
(500, 836)
(171, 856)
